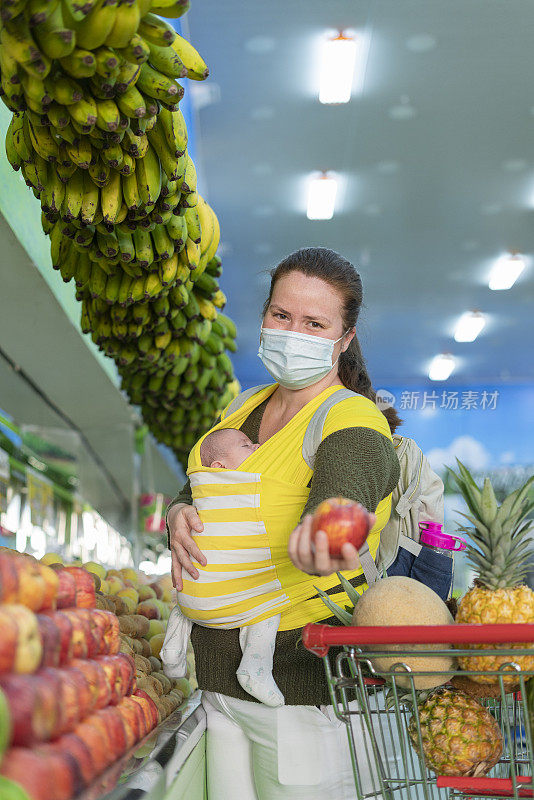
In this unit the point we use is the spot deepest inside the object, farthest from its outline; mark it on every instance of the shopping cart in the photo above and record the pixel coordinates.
(385, 763)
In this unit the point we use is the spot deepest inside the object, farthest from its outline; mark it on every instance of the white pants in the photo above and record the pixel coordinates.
(287, 753)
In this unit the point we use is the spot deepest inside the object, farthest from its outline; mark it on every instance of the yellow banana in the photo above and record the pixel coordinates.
(156, 31)
(195, 65)
(125, 26)
(111, 198)
(94, 30)
(148, 176)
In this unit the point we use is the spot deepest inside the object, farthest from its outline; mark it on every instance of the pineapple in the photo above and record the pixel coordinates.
(498, 555)
(459, 736)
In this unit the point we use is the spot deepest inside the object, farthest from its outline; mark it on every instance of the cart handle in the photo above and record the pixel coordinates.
(485, 786)
(319, 638)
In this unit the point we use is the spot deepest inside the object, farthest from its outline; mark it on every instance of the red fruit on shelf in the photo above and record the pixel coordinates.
(51, 580)
(66, 592)
(8, 639)
(9, 579)
(114, 723)
(97, 680)
(30, 770)
(85, 587)
(76, 699)
(66, 644)
(32, 586)
(109, 626)
(29, 650)
(71, 743)
(51, 641)
(82, 637)
(114, 678)
(34, 707)
(149, 707)
(134, 720)
(91, 734)
(149, 609)
(66, 774)
(343, 521)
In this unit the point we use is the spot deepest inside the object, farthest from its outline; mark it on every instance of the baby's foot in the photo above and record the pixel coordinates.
(262, 687)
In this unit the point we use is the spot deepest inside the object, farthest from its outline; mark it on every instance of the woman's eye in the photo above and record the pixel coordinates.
(316, 324)
(280, 315)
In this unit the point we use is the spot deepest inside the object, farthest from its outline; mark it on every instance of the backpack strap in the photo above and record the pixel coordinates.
(242, 398)
(314, 432)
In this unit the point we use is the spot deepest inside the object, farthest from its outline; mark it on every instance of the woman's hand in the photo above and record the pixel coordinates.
(313, 557)
(182, 520)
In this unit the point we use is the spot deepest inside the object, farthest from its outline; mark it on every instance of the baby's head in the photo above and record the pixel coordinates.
(226, 448)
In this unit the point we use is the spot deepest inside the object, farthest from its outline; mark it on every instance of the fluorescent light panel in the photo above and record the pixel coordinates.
(441, 367)
(469, 326)
(505, 272)
(321, 197)
(338, 60)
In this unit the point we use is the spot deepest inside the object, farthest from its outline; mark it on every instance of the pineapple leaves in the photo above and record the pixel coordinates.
(488, 503)
(342, 615)
(348, 588)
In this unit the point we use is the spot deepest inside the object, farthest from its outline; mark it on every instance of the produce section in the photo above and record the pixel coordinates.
(99, 137)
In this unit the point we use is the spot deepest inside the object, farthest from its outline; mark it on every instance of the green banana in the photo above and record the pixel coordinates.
(156, 31)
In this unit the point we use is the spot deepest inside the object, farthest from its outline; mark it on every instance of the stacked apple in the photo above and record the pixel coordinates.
(69, 704)
(143, 609)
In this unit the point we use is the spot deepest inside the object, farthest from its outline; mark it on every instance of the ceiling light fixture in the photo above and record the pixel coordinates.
(506, 271)
(322, 197)
(441, 367)
(338, 60)
(469, 326)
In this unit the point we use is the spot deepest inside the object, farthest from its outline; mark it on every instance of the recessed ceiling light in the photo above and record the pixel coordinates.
(263, 211)
(469, 326)
(421, 43)
(506, 271)
(259, 45)
(338, 60)
(388, 167)
(322, 193)
(262, 170)
(441, 367)
(262, 113)
(514, 165)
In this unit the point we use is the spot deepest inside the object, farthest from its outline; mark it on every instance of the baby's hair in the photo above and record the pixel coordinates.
(210, 448)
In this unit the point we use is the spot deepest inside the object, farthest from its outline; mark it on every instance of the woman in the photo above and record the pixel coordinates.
(309, 346)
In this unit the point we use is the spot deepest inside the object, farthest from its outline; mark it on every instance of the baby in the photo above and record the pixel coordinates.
(227, 448)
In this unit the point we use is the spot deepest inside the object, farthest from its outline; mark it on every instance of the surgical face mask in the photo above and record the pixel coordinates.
(296, 360)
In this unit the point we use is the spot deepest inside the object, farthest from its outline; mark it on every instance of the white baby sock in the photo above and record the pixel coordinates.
(255, 671)
(174, 649)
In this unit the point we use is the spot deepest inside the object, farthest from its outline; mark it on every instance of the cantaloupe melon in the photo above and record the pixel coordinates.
(404, 601)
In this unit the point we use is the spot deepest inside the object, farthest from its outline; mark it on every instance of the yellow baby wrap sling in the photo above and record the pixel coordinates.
(249, 513)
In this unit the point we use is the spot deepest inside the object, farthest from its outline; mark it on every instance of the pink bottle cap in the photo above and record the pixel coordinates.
(432, 535)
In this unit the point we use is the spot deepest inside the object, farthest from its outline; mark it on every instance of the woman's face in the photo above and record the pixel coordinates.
(303, 304)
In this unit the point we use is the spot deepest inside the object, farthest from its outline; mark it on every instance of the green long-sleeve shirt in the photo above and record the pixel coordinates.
(357, 463)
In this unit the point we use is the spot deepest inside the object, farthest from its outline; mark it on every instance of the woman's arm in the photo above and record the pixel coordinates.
(357, 463)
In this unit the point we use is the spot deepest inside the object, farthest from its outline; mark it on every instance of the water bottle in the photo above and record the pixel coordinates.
(431, 535)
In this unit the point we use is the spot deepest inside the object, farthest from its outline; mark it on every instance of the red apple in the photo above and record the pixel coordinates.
(75, 697)
(71, 743)
(33, 705)
(127, 670)
(8, 639)
(9, 579)
(51, 580)
(32, 587)
(30, 770)
(51, 640)
(97, 680)
(343, 521)
(66, 774)
(66, 593)
(148, 707)
(113, 675)
(29, 650)
(134, 720)
(114, 723)
(85, 587)
(109, 626)
(97, 745)
(149, 609)
(66, 644)
(82, 637)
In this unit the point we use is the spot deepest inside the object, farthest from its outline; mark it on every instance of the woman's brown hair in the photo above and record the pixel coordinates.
(341, 275)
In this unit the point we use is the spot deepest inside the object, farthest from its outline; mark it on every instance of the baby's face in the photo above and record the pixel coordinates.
(236, 448)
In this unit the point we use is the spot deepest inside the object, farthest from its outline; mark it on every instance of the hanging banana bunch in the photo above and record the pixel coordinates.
(98, 135)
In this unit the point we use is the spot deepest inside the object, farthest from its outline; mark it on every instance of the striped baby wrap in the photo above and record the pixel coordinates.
(248, 515)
